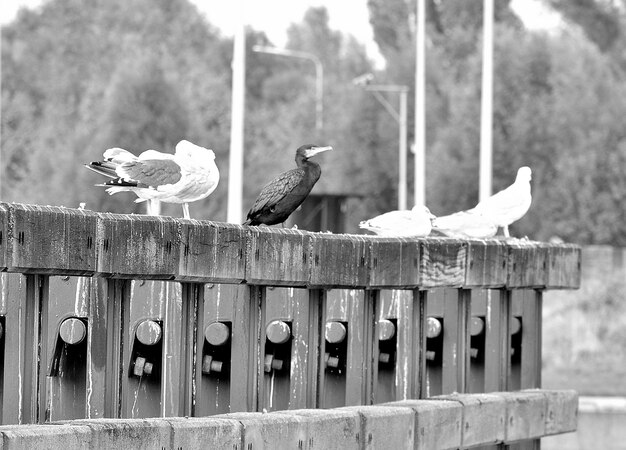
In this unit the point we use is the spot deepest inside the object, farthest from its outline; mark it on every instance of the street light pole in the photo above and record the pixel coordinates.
(235, 169)
(401, 118)
(420, 104)
(319, 76)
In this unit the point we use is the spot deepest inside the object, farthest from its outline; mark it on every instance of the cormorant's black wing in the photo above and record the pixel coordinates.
(276, 190)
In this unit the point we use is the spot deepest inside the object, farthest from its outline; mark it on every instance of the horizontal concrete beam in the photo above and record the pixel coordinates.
(452, 421)
(64, 241)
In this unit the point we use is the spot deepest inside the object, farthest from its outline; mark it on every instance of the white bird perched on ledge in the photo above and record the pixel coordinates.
(186, 176)
(464, 225)
(508, 205)
(413, 223)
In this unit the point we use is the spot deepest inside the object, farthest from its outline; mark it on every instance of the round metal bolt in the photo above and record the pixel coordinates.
(335, 332)
(72, 331)
(278, 332)
(516, 325)
(386, 330)
(433, 327)
(149, 332)
(216, 333)
(477, 325)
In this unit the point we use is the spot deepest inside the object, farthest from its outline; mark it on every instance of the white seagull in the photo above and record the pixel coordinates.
(186, 176)
(508, 205)
(464, 225)
(413, 223)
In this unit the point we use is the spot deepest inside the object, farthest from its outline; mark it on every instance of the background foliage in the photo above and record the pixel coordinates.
(79, 76)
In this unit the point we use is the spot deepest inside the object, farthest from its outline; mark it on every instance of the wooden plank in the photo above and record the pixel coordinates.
(442, 263)
(483, 418)
(137, 246)
(212, 252)
(564, 268)
(487, 264)
(51, 240)
(527, 264)
(339, 260)
(278, 257)
(394, 262)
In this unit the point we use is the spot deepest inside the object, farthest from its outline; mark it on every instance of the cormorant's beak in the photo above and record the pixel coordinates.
(315, 150)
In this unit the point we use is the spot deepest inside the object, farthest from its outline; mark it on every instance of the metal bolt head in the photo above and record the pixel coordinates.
(477, 325)
(149, 332)
(72, 331)
(278, 332)
(217, 333)
(335, 332)
(515, 325)
(433, 327)
(386, 330)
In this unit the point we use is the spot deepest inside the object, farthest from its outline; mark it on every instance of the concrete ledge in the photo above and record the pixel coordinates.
(385, 426)
(483, 418)
(59, 437)
(443, 422)
(441, 415)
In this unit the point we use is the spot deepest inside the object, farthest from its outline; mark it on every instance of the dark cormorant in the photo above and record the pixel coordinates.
(279, 198)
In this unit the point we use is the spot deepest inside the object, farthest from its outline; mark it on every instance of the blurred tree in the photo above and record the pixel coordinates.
(599, 19)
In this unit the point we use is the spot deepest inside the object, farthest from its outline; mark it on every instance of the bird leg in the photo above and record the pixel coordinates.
(186, 211)
(505, 229)
(153, 207)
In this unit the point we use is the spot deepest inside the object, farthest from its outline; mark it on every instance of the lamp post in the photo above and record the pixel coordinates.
(319, 75)
(420, 104)
(401, 118)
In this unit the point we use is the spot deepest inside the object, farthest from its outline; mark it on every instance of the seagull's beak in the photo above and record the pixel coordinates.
(315, 150)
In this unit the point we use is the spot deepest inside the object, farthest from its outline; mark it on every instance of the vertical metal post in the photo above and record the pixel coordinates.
(486, 110)
(235, 168)
(420, 107)
(402, 188)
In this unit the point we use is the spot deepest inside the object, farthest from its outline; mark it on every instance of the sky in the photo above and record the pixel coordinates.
(274, 16)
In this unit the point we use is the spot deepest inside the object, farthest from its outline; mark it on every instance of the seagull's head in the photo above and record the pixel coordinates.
(187, 150)
(421, 209)
(307, 151)
(524, 174)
